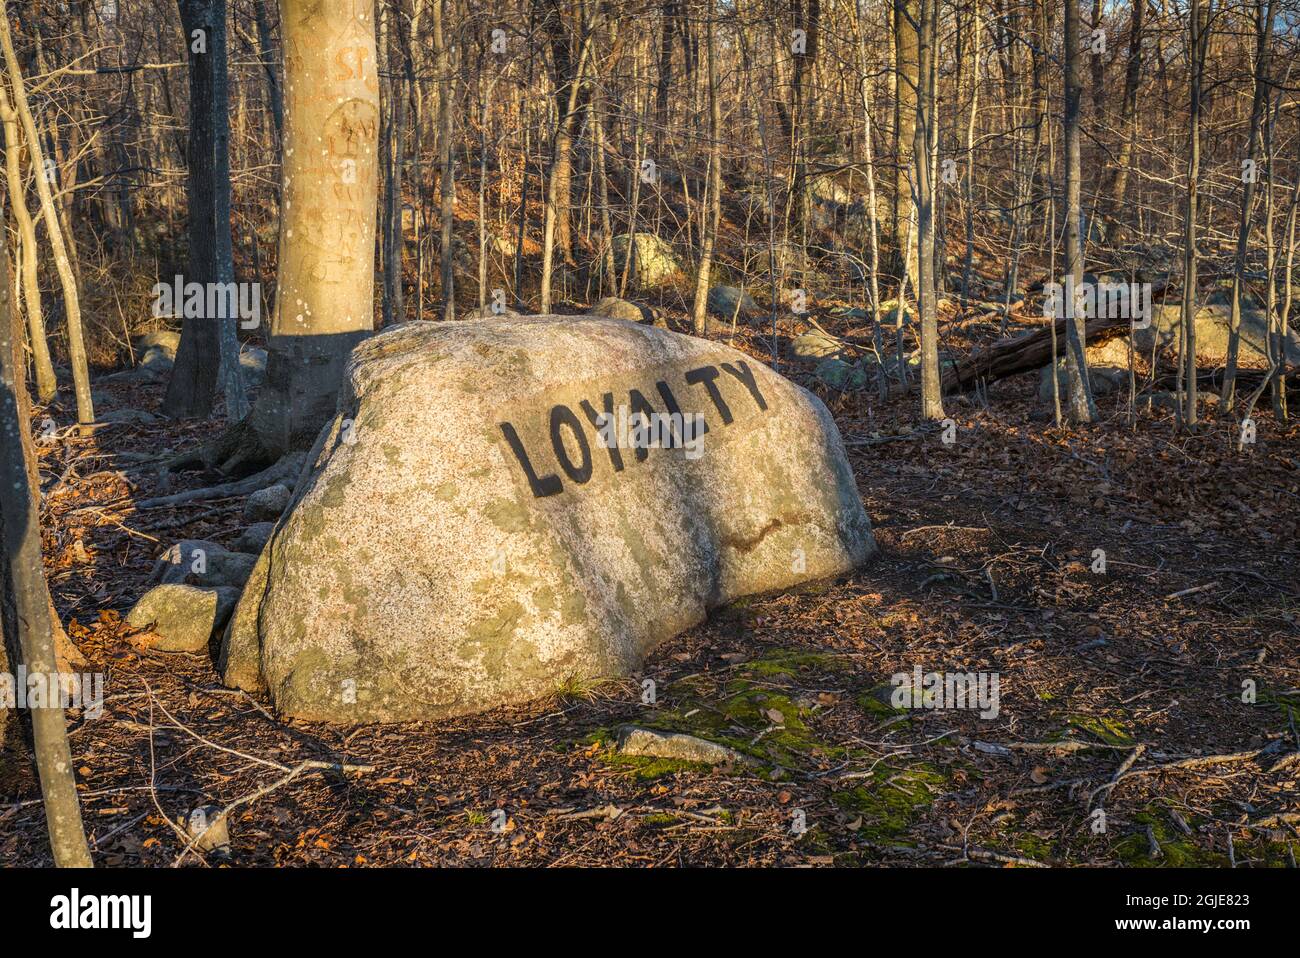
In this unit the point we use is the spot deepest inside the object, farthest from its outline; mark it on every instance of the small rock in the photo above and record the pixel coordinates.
(183, 617)
(252, 366)
(267, 504)
(199, 562)
(634, 740)
(254, 539)
(814, 345)
(1104, 379)
(1223, 297)
(1159, 400)
(838, 374)
(724, 301)
(653, 261)
(208, 829)
(612, 307)
(157, 360)
(167, 340)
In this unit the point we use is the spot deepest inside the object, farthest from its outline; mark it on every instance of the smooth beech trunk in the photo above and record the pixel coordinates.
(325, 291)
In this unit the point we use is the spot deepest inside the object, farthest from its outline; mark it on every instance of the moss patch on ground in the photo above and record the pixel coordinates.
(890, 802)
(750, 709)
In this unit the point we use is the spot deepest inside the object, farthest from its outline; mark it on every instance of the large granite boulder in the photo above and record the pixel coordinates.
(653, 261)
(465, 536)
(1212, 334)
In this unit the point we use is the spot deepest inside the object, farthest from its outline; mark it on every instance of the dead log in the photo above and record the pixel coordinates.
(1029, 351)
(1024, 353)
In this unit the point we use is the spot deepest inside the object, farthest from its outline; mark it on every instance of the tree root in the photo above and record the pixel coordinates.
(284, 470)
(240, 449)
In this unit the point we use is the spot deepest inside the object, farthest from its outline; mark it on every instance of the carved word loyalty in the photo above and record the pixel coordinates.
(637, 425)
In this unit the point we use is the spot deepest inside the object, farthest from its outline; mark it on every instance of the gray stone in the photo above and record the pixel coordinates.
(1159, 401)
(1112, 353)
(815, 345)
(208, 829)
(254, 539)
(724, 300)
(1104, 380)
(653, 261)
(442, 557)
(1223, 297)
(653, 743)
(155, 363)
(267, 505)
(1212, 335)
(183, 617)
(166, 340)
(157, 360)
(838, 374)
(199, 562)
(611, 307)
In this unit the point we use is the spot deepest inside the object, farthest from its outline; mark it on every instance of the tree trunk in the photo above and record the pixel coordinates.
(325, 288)
(26, 621)
(923, 199)
(1264, 13)
(1128, 108)
(907, 77)
(209, 347)
(713, 214)
(1081, 407)
(46, 384)
(1197, 24)
(394, 127)
(556, 215)
(267, 54)
(72, 303)
(447, 171)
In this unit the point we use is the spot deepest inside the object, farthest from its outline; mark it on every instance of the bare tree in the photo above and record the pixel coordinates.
(29, 639)
(709, 229)
(325, 287)
(923, 199)
(906, 15)
(54, 229)
(46, 384)
(209, 347)
(447, 162)
(1198, 37)
(1081, 407)
(1265, 13)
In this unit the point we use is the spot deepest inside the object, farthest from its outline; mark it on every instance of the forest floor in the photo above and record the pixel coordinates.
(1128, 690)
